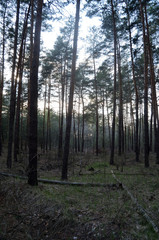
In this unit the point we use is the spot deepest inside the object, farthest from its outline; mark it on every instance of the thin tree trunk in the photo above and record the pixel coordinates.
(70, 107)
(30, 65)
(49, 116)
(21, 127)
(33, 86)
(20, 73)
(74, 133)
(96, 106)
(121, 133)
(151, 129)
(60, 144)
(135, 87)
(48, 130)
(83, 123)
(153, 89)
(114, 92)
(78, 130)
(44, 120)
(17, 121)
(13, 91)
(2, 74)
(108, 121)
(146, 131)
(103, 122)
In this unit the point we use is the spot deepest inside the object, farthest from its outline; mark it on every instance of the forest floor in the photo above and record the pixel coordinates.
(64, 212)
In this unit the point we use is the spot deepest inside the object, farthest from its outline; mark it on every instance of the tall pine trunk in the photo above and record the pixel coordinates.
(60, 143)
(17, 120)
(78, 129)
(70, 106)
(33, 98)
(44, 120)
(96, 106)
(48, 130)
(135, 87)
(146, 128)
(13, 92)
(109, 130)
(114, 91)
(2, 74)
(103, 122)
(74, 133)
(83, 124)
(121, 131)
(20, 74)
(153, 89)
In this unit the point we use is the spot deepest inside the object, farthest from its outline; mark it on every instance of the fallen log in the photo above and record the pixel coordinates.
(47, 181)
(140, 208)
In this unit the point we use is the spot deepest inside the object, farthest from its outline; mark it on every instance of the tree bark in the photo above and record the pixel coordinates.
(96, 106)
(2, 74)
(44, 120)
(60, 144)
(146, 131)
(13, 91)
(103, 122)
(78, 130)
(20, 73)
(48, 130)
(70, 107)
(135, 87)
(109, 132)
(74, 133)
(83, 123)
(114, 91)
(121, 131)
(153, 89)
(33, 86)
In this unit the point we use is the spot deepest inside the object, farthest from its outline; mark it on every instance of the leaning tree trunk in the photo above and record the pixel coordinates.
(114, 91)
(33, 87)
(70, 106)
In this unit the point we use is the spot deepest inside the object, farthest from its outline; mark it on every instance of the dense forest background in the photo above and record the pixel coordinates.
(98, 98)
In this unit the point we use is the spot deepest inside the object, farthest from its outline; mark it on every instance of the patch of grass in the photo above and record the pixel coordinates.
(98, 165)
(94, 178)
(145, 231)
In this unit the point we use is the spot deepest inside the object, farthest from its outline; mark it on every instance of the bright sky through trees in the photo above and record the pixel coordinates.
(86, 23)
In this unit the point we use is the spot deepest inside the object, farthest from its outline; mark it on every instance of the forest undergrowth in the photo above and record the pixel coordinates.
(80, 212)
